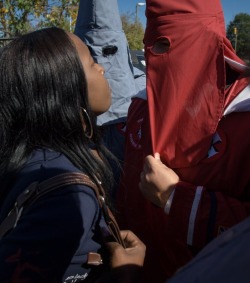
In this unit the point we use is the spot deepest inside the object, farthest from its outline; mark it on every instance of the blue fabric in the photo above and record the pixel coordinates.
(98, 25)
(225, 259)
(53, 236)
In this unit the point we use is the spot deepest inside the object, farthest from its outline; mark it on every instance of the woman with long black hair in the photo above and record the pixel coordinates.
(50, 94)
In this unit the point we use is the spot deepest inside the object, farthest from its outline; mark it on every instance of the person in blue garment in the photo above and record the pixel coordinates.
(99, 26)
(51, 92)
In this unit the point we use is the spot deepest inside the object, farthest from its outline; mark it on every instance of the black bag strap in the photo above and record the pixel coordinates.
(36, 190)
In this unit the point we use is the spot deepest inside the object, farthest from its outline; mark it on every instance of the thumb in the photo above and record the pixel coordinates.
(157, 156)
(111, 246)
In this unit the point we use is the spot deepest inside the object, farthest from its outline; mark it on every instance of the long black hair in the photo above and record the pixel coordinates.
(42, 90)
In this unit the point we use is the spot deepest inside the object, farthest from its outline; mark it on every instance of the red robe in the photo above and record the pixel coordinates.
(183, 120)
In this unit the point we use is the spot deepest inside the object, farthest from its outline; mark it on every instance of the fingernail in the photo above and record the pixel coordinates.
(157, 156)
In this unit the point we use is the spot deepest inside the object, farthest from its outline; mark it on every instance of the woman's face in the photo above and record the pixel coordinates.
(99, 93)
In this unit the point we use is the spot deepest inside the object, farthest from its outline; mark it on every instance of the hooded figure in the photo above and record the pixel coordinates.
(189, 97)
(196, 116)
(100, 28)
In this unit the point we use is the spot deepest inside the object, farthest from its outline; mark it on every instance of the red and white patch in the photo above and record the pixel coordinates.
(135, 134)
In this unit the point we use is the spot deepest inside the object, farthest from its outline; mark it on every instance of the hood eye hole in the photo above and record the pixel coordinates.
(109, 50)
(161, 46)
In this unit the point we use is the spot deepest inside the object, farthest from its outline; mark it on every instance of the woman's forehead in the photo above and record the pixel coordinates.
(79, 44)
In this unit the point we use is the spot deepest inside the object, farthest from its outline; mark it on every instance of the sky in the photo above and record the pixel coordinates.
(230, 8)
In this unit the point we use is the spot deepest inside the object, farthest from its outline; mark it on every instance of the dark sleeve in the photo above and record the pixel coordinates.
(48, 235)
(229, 255)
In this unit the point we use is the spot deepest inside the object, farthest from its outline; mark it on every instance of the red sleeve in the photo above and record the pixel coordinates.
(202, 215)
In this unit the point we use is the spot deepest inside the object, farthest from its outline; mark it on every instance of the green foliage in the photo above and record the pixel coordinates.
(134, 32)
(20, 16)
(238, 32)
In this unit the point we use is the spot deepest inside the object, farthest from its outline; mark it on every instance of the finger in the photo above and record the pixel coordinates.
(149, 159)
(157, 156)
(127, 234)
(130, 238)
(148, 163)
(134, 244)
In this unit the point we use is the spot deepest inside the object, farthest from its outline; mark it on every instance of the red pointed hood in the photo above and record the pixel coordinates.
(186, 84)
